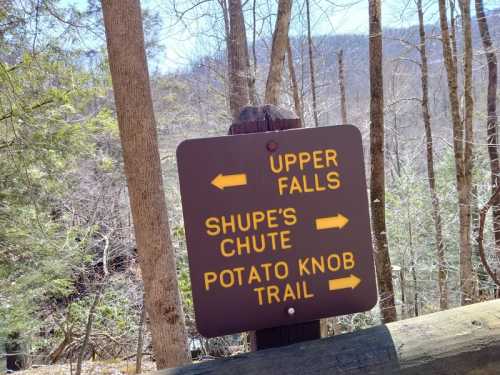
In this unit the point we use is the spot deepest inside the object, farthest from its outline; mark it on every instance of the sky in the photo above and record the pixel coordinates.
(196, 36)
(329, 16)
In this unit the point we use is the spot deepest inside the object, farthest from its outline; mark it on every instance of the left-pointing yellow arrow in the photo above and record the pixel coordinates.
(223, 181)
(344, 283)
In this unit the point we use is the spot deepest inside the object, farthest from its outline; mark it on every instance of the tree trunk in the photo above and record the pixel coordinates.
(56, 353)
(377, 176)
(395, 140)
(343, 105)
(466, 272)
(134, 106)
(225, 18)
(436, 213)
(402, 285)
(453, 21)
(294, 84)
(413, 260)
(278, 51)
(88, 330)
(491, 123)
(481, 278)
(227, 81)
(93, 307)
(311, 65)
(239, 77)
(140, 340)
(252, 72)
(463, 187)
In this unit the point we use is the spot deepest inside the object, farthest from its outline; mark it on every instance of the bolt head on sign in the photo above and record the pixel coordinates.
(277, 228)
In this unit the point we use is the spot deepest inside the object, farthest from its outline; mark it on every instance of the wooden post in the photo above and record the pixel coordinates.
(255, 120)
(286, 335)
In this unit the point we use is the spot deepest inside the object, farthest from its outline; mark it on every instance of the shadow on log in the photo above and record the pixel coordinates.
(465, 340)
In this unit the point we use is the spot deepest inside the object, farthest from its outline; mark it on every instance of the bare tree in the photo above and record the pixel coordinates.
(453, 23)
(413, 260)
(93, 307)
(88, 330)
(293, 83)
(239, 66)
(136, 121)
(140, 339)
(491, 122)
(466, 274)
(252, 73)
(311, 65)
(341, 78)
(426, 115)
(377, 177)
(278, 51)
(462, 139)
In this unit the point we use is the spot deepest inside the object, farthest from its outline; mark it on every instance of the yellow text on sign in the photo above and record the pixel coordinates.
(290, 292)
(239, 276)
(236, 239)
(326, 263)
(294, 169)
(301, 161)
(265, 278)
(250, 221)
(256, 243)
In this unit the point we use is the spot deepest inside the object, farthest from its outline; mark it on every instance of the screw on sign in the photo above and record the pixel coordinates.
(277, 228)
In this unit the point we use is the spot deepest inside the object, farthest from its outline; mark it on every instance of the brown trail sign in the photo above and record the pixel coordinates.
(277, 228)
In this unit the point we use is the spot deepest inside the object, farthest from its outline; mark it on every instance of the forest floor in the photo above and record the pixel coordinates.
(93, 368)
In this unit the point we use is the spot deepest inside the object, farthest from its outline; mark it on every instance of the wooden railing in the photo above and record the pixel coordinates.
(464, 340)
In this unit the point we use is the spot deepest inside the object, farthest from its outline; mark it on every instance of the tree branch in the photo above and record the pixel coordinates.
(32, 108)
(482, 218)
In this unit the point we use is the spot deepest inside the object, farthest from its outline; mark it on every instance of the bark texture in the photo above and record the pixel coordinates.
(140, 339)
(377, 176)
(134, 107)
(462, 142)
(453, 23)
(254, 100)
(491, 122)
(413, 261)
(466, 271)
(341, 78)
(426, 115)
(239, 67)
(88, 331)
(311, 65)
(293, 83)
(278, 52)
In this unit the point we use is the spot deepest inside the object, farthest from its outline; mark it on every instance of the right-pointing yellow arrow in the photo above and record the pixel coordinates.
(344, 283)
(332, 222)
(223, 181)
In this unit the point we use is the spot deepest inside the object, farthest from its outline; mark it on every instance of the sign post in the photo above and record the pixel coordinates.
(274, 337)
(277, 229)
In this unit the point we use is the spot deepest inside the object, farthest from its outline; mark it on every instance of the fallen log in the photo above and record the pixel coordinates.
(464, 340)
